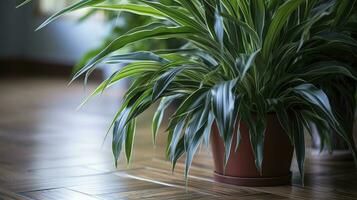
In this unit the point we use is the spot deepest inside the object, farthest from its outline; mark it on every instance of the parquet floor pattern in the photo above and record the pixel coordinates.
(48, 150)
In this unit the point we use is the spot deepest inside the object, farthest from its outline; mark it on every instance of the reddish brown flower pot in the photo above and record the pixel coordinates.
(241, 169)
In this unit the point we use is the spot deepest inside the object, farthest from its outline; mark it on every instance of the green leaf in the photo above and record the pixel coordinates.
(179, 150)
(174, 138)
(193, 138)
(283, 118)
(257, 126)
(259, 13)
(324, 68)
(195, 132)
(224, 110)
(316, 97)
(130, 70)
(140, 104)
(133, 8)
(119, 133)
(163, 82)
(299, 143)
(23, 3)
(192, 102)
(218, 25)
(344, 9)
(71, 8)
(277, 24)
(332, 36)
(246, 65)
(157, 119)
(194, 8)
(129, 139)
(207, 131)
(160, 32)
(136, 56)
(175, 15)
(238, 134)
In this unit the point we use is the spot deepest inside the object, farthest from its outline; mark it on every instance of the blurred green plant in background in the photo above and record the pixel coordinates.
(342, 90)
(121, 23)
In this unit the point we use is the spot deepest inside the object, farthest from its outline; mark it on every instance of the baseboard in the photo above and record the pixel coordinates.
(19, 67)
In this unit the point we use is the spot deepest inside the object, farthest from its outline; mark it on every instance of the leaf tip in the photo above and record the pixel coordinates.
(39, 28)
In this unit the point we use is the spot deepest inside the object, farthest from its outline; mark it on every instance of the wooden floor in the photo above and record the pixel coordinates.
(48, 150)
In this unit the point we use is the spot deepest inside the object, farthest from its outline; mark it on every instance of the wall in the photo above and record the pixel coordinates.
(64, 41)
(11, 27)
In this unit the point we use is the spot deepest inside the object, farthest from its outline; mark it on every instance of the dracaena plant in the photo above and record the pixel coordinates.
(242, 60)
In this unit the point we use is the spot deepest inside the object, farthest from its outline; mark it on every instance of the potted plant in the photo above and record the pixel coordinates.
(245, 79)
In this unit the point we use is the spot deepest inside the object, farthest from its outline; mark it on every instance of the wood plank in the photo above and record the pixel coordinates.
(165, 193)
(56, 194)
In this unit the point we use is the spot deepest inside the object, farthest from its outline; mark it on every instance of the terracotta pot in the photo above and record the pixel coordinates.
(241, 169)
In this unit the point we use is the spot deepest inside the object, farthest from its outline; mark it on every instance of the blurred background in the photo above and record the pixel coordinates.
(48, 148)
(54, 49)
(39, 123)
(37, 106)
(64, 43)
(43, 136)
